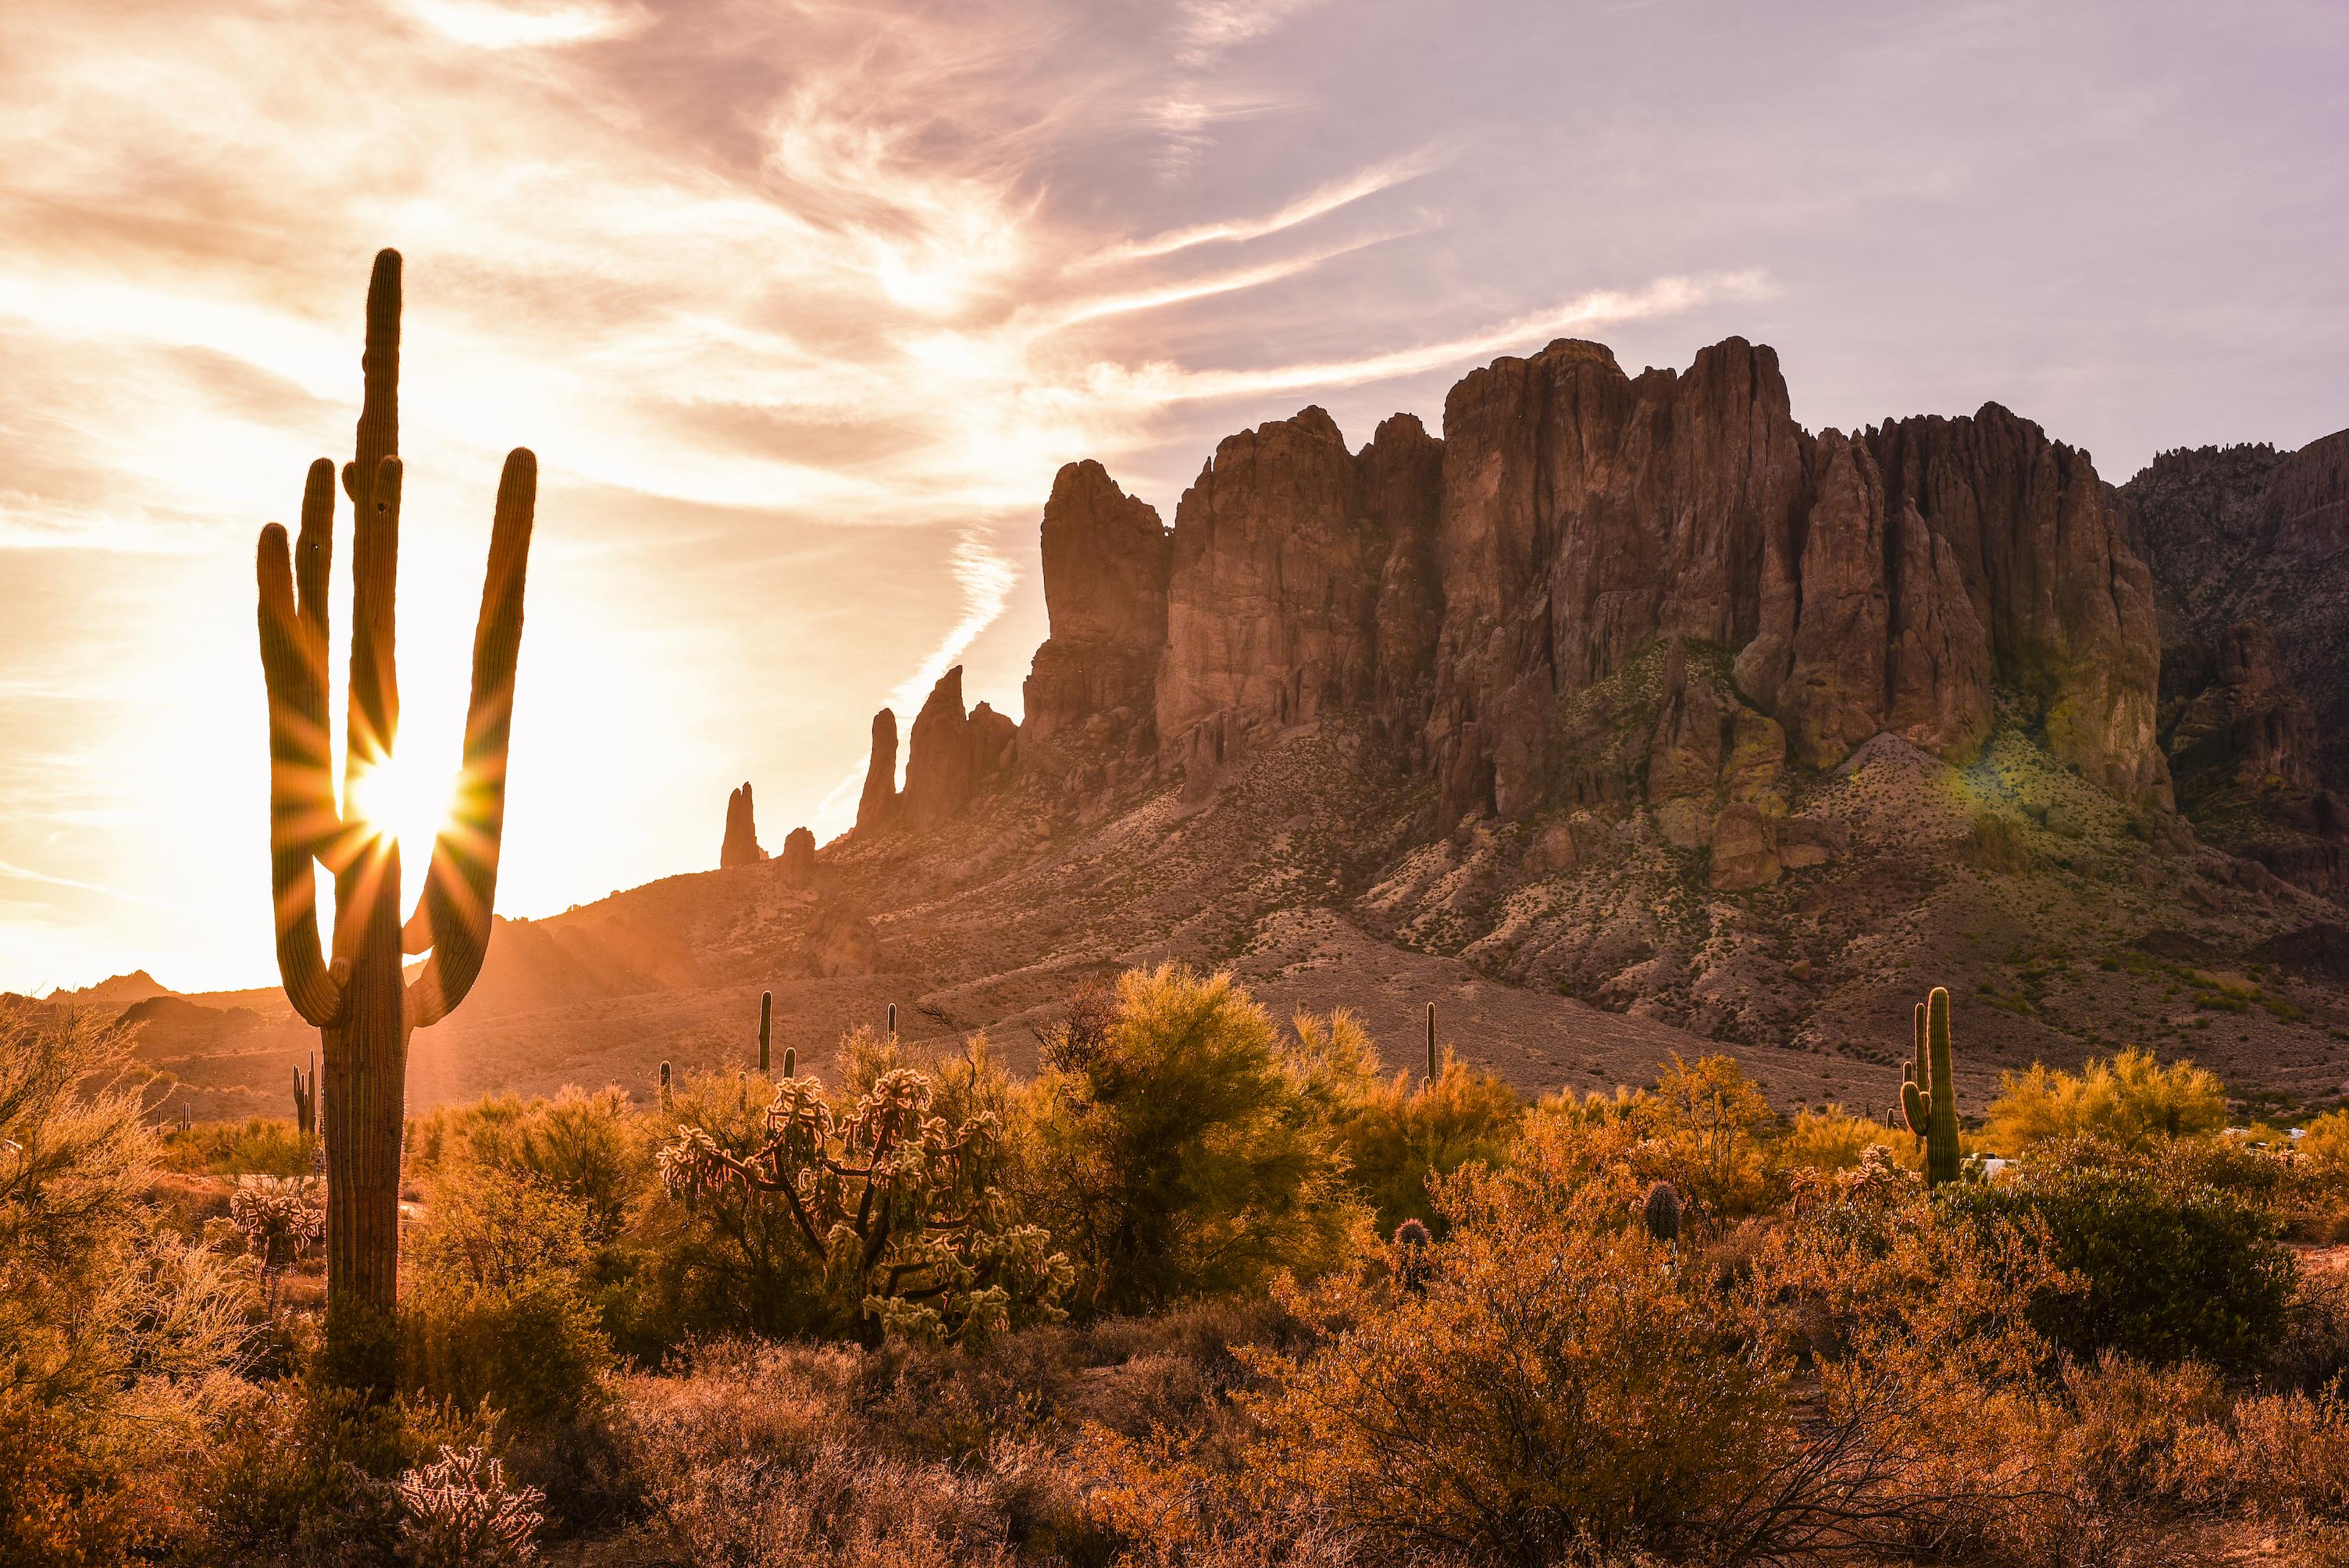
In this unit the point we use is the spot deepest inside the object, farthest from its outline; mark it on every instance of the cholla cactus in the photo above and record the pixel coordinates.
(898, 1209)
(459, 1513)
(282, 1218)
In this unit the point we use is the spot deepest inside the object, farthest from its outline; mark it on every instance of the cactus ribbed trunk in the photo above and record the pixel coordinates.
(1929, 1094)
(1942, 1119)
(361, 1003)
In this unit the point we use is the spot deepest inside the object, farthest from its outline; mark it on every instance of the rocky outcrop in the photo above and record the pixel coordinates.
(2232, 722)
(2243, 749)
(799, 857)
(1299, 584)
(2045, 560)
(951, 756)
(741, 847)
(1106, 559)
(877, 808)
(1863, 585)
(2246, 534)
(1464, 596)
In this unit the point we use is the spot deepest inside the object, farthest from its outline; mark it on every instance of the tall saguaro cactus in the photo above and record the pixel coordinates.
(361, 1003)
(1928, 1093)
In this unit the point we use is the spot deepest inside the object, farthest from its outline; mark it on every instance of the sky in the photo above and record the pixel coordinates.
(802, 306)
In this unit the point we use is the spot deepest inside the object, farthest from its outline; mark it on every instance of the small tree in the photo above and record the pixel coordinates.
(1183, 1151)
(1402, 1130)
(2130, 1101)
(900, 1212)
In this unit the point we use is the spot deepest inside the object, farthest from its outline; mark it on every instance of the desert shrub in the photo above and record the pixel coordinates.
(1553, 1388)
(2130, 1101)
(897, 1211)
(257, 1146)
(1187, 1152)
(2324, 1143)
(2162, 1266)
(1831, 1138)
(1397, 1134)
(305, 1470)
(2137, 1434)
(733, 1263)
(497, 1309)
(754, 1454)
(1548, 1388)
(1703, 1128)
(117, 1336)
(2312, 1352)
(594, 1149)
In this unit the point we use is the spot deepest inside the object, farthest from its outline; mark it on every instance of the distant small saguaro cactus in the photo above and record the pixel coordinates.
(305, 1099)
(766, 1024)
(1928, 1091)
(893, 1018)
(1434, 1069)
(664, 1086)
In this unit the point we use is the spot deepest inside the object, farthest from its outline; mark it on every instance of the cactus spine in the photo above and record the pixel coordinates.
(1433, 1071)
(766, 1022)
(1929, 1092)
(360, 1002)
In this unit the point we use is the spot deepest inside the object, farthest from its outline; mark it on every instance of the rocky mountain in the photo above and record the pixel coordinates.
(2250, 552)
(1626, 718)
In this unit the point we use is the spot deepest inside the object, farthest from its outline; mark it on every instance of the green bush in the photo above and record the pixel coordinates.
(2163, 1265)
(118, 1339)
(1183, 1152)
(497, 1309)
(1399, 1133)
(257, 1146)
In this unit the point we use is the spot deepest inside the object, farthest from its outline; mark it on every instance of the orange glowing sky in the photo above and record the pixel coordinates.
(803, 304)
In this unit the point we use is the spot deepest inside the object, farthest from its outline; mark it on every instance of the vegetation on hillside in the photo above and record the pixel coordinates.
(1207, 1289)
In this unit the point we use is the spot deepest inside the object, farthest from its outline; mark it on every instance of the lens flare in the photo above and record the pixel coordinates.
(392, 798)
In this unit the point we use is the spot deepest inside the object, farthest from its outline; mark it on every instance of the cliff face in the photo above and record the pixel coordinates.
(1861, 585)
(1106, 559)
(1462, 596)
(2236, 534)
(1278, 604)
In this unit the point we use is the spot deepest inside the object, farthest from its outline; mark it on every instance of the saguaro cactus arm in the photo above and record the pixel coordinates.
(303, 821)
(460, 885)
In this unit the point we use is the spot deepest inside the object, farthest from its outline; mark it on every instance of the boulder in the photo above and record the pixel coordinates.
(1745, 850)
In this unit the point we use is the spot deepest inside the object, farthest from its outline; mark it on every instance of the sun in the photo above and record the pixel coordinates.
(396, 797)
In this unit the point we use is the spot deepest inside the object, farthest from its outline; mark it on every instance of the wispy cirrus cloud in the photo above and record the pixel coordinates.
(802, 303)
